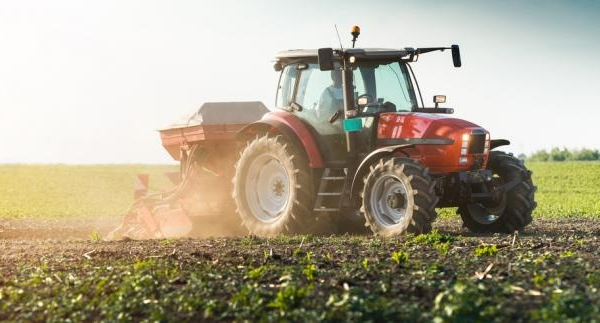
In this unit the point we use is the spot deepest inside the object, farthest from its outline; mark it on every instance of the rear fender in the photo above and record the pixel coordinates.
(291, 128)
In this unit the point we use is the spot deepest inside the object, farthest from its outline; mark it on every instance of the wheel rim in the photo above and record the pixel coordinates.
(488, 214)
(389, 199)
(267, 188)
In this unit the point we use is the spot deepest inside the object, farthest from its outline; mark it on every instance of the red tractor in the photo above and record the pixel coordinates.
(348, 145)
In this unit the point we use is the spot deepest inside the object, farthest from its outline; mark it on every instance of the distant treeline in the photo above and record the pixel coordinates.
(557, 154)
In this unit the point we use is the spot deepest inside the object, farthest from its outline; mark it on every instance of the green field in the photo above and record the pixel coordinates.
(57, 191)
(567, 189)
(62, 191)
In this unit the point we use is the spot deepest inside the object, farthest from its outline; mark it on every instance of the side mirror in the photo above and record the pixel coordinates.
(456, 56)
(325, 56)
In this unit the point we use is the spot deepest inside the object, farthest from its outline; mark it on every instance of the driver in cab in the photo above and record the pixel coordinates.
(332, 99)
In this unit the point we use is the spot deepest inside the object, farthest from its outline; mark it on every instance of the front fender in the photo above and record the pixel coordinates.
(390, 150)
(495, 143)
(375, 155)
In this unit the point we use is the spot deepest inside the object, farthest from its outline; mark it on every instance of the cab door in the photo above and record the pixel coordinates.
(319, 96)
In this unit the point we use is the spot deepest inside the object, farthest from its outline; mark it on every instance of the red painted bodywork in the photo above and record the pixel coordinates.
(439, 158)
(304, 135)
(174, 138)
(221, 139)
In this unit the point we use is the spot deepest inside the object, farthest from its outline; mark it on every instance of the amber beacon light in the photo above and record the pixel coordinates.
(355, 31)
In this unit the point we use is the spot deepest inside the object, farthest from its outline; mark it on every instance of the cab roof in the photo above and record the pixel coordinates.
(365, 53)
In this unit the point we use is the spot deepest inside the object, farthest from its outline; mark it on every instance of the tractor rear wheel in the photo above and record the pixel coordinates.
(512, 212)
(272, 187)
(399, 196)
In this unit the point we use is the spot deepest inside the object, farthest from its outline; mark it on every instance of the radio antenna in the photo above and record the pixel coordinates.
(338, 36)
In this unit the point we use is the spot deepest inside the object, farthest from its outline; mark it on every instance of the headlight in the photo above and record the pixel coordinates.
(439, 99)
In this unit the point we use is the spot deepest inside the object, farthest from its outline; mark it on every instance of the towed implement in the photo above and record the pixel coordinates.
(350, 147)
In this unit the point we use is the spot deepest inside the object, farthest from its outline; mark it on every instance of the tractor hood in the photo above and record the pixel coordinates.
(421, 125)
(456, 156)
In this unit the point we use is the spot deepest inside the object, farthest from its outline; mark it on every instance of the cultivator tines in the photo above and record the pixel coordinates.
(136, 224)
(197, 195)
(154, 216)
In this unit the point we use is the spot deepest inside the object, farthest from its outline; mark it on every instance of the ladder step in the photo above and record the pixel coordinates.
(323, 209)
(334, 178)
(329, 194)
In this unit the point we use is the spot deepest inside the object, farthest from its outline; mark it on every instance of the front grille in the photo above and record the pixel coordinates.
(477, 143)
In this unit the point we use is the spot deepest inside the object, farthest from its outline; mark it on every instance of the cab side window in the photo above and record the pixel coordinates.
(312, 85)
(285, 91)
(320, 92)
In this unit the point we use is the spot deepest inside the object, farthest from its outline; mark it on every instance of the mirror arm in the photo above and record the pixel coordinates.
(456, 60)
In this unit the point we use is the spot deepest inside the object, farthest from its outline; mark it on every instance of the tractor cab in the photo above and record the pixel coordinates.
(317, 96)
(328, 88)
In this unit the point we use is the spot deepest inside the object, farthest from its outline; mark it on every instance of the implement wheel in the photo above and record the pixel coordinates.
(512, 212)
(272, 188)
(398, 196)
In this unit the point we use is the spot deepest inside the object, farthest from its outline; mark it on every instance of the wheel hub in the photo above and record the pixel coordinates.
(396, 200)
(278, 188)
(389, 200)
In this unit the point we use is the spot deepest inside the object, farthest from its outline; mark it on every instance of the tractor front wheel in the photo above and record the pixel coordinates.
(272, 187)
(399, 196)
(512, 211)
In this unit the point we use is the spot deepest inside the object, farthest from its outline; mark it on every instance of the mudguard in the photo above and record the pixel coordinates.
(292, 128)
(372, 157)
(495, 143)
(390, 150)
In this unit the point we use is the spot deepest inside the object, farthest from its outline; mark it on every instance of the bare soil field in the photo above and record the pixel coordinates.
(60, 270)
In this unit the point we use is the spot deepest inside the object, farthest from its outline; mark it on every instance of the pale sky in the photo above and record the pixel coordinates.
(91, 81)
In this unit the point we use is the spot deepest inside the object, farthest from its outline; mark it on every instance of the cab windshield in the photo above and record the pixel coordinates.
(385, 82)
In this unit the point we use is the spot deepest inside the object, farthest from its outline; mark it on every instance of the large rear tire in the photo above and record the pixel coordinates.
(399, 196)
(513, 211)
(272, 187)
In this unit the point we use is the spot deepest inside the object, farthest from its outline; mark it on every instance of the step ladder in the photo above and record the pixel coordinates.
(330, 190)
